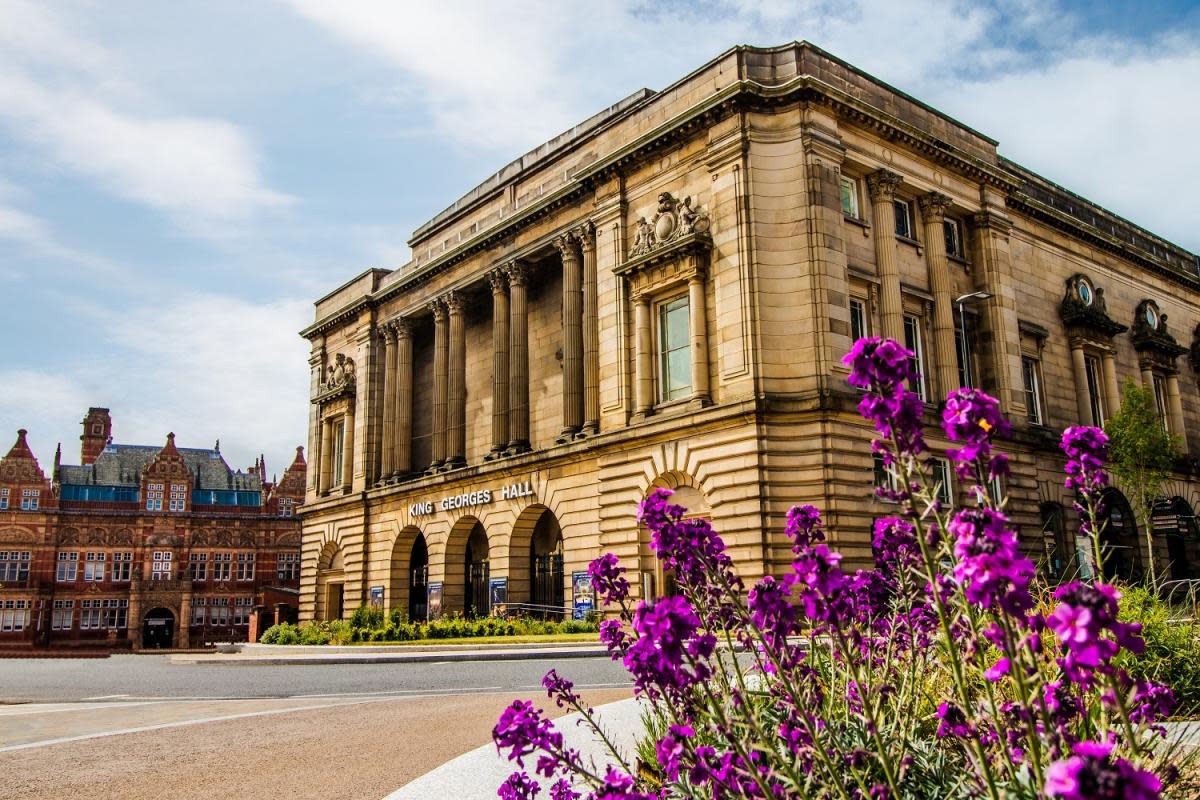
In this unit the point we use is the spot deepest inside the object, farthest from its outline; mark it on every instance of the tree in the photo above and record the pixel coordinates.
(1141, 454)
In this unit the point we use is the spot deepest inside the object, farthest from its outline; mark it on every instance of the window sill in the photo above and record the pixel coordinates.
(862, 223)
(962, 262)
(911, 242)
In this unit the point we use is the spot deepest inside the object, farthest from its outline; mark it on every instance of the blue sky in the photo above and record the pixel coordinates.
(179, 181)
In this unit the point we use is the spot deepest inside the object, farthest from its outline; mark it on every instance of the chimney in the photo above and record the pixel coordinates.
(97, 431)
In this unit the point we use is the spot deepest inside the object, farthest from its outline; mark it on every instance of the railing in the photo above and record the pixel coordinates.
(509, 610)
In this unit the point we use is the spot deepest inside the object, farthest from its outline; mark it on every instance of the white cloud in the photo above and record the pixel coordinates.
(206, 367)
(69, 98)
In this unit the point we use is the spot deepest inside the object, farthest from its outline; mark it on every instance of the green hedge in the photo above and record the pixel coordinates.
(367, 625)
(1172, 645)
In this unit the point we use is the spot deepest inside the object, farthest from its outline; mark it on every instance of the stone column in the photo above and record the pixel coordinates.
(882, 185)
(388, 454)
(348, 450)
(591, 331)
(500, 347)
(518, 378)
(945, 352)
(440, 375)
(1112, 391)
(572, 337)
(643, 358)
(325, 469)
(1175, 410)
(402, 464)
(698, 333)
(998, 339)
(1147, 375)
(1082, 402)
(456, 385)
(316, 365)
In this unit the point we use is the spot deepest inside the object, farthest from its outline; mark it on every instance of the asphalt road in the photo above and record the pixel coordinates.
(131, 677)
(143, 728)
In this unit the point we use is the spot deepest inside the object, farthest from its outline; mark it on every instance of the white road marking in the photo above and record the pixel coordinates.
(106, 697)
(34, 708)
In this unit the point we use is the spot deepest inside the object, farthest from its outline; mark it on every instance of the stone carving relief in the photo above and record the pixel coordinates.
(68, 536)
(95, 536)
(339, 378)
(1084, 310)
(124, 536)
(246, 540)
(17, 536)
(672, 220)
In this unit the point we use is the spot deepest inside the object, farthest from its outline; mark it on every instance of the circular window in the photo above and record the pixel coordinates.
(1152, 316)
(1086, 295)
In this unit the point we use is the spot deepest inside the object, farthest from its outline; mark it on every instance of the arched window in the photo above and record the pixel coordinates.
(1054, 541)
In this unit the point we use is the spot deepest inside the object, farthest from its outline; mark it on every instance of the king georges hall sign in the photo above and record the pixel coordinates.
(481, 497)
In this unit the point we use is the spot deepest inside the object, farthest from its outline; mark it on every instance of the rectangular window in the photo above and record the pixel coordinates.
(675, 356)
(859, 325)
(30, 499)
(222, 566)
(178, 499)
(287, 566)
(339, 436)
(1033, 389)
(904, 226)
(287, 507)
(63, 618)
(93, 567)
(68, 567)
(218, 616)
(198, 612)
(1091, 368)
(885, 478)
(122, 566)
(912, 340)
(850, 197)
(941, 479)
(14, 615)
(245, 566)
(116, 613)
(198, 566)
(964, 353)
(3, 499)
(954, 243)
(91, 615)
(241, 610)
(14, 566)
(154, 496)
(160, 569)
(1160, 400)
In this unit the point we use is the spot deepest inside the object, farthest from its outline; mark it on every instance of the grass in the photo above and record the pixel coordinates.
(548, 638)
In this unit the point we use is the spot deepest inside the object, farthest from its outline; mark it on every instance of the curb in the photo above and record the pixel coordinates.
(394, 658)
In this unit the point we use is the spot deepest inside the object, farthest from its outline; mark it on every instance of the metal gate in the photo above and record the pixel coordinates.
(548, 580)
(418, 593)
(478, 601)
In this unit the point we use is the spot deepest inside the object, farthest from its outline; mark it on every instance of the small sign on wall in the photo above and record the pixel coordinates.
(434, 600)
(498, 592)
(583, 595)
(376, 597)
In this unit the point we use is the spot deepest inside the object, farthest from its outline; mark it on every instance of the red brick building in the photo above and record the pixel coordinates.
(142, 546)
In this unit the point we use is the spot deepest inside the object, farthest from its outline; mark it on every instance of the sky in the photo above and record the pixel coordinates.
(180, 181)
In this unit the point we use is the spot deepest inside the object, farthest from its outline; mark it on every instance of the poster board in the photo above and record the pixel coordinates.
(583, 595)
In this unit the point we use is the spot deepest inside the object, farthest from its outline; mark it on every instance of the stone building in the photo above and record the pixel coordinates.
(661, 296)
(141, 546)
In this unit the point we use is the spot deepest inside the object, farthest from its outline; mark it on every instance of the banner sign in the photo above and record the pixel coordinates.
(583, 594)
(434, 600)
(498, 591)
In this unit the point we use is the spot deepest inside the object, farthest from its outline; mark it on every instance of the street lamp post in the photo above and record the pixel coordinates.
(962, 326)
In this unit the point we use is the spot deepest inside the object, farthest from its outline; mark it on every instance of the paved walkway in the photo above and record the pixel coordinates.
(276, 655)
(477, 774)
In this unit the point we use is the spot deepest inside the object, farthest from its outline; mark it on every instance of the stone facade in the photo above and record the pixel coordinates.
(662, 296)
(142, 546)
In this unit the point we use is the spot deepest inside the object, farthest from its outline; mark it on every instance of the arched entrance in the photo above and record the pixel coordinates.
(330, 583)
(158, 629)
(1119, 538)
(655, 581)
(477, 602)
(1176, 521)
(1054, 541)
(418, 581)
(546, 567)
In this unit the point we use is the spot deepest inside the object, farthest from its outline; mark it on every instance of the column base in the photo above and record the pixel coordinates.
(590, 428)
(457, 462)
(516, 448)
(496, 452)
(567, 435)
(434, 467)
(641, 415)
(699, 401)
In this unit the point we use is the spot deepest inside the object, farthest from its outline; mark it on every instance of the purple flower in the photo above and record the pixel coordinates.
(1152, 702)
(1083, 615)
(670, 749)
(1093, 773)
(953, 721)
(608, 578)
(619, 786)
(804, 526)
(990, 566)
(519, 786)
(771, 611)
(522, 730)
(882, 366)
(894, 543)
(688, 546)
(878, 362)
(1086, 448)
(669, 654)
(973, 418)
(613, 635)
(561, 790)
(560, 690)
(819, 579)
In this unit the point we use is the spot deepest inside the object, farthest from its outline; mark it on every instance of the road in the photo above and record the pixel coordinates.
(135, 727)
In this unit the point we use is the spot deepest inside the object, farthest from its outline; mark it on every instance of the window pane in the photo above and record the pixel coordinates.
(849, 197)
(678, 378)
(903, 223)
(675, 324)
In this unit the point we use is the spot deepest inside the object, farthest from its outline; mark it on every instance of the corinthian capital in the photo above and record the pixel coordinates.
(585, 234)
(438, 309)
(518, 273)
(565, 245)
(933, 206)
(498, 280)
(455, 301)
(882, 184)
(404, 327)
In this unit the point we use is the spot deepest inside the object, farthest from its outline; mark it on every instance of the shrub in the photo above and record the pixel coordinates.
(934, 674)
(367, 617)
(1172, 653)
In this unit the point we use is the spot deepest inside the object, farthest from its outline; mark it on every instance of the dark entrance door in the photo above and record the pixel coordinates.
(158, 629)
(478, 601)
(418, 581)
(548, 583)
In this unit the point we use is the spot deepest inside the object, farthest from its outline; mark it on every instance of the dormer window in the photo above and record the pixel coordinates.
(154, 497)
(178, 499)
(30, 499)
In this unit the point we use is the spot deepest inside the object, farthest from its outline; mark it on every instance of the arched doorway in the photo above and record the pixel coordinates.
(656, 581)
(330, 583)
(546, 567)
(477, 602)
(418, 580)
(158, 629)
(1119, 538)
(1054, 541)
(1176, 521)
